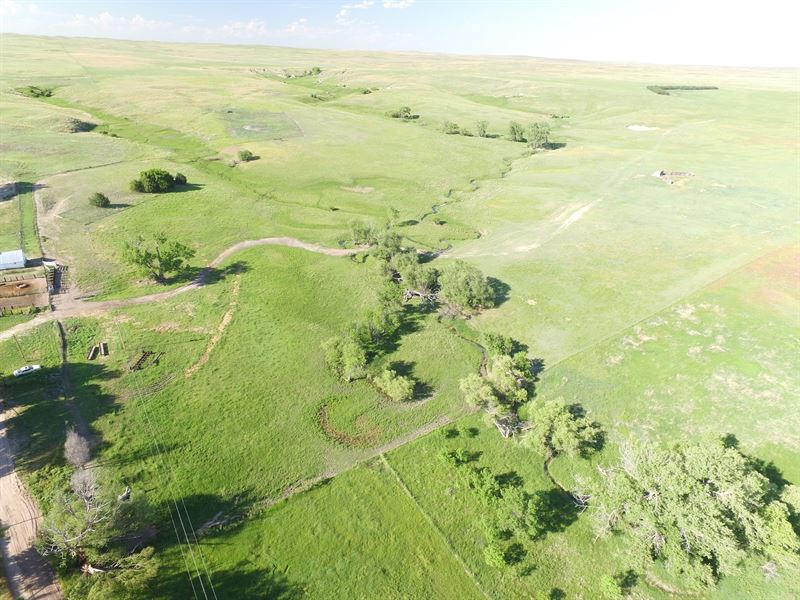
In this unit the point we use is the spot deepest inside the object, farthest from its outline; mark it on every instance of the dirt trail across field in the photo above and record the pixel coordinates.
(72, 305)
(29, 575)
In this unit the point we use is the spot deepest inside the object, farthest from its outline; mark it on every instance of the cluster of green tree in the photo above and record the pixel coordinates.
(404, 112)
(481, 129)
(157, 257)
(155, 181)
(457, 285)
(99, 200)
(348, 353)
(511, 516)
(508, 383)
(699, 510)
(97, 534)
(35, 91)
(536, 135)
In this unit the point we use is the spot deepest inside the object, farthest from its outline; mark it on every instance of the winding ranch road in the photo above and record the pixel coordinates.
(29, 575)
(70, 306)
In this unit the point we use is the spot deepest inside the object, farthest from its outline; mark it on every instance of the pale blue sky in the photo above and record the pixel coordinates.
(730, 32)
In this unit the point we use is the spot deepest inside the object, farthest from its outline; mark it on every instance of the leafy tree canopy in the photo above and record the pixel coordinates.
(700, 509)
(463, 285)
(556, 428)
(156, 257)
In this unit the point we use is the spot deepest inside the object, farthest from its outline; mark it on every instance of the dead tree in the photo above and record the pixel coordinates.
(76, 449)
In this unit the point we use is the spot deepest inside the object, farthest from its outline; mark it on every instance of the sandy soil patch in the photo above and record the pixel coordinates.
(359, 189)
(636, 127)
(215, 339)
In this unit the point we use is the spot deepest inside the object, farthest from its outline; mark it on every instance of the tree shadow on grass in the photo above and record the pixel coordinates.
(555, 512)
(187, 187)
(207, 275)
(244, 580)
(500, 290)
(199, 514)
(40, 417)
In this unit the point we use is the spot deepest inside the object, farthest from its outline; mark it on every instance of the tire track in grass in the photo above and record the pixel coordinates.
(436, 528)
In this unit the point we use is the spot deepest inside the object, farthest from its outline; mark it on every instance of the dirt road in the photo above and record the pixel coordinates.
(29, 575)
(71, 305)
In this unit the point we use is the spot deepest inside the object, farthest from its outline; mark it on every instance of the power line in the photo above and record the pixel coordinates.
(159, 451)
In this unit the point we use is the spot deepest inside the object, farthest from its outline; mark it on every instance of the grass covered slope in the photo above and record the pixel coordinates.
(669, 311)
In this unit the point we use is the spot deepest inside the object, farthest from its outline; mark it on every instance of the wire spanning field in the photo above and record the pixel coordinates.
(668, 312)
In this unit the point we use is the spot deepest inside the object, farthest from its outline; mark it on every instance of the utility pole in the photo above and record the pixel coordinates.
(19, 347)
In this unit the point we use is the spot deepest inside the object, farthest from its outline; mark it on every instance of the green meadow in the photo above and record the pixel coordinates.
(669, 311)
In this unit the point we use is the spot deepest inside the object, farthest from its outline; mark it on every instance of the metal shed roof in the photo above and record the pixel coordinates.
(12, 257)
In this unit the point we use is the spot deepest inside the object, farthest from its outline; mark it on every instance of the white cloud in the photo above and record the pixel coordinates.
(298, 26)
(108, 23)
(341, 16)
(398, 3)
(245, 29)
(10, 8)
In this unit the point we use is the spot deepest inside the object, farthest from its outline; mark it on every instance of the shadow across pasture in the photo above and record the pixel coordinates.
(208, 275)
(500, 290)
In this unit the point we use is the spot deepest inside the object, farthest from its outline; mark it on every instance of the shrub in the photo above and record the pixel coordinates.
(404, 112)
(481, 127)
(246, 156)
(34, 91)
(397, 387)
(76, 126)
(516, 132)
(450, 128)
(99, 200)
(155, 181)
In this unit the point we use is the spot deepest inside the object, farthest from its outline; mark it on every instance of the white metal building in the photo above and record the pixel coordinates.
(15, 259)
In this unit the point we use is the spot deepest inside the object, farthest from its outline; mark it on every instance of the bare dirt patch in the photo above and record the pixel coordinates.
(223, 325)
(20, 293)
(636, 127)
(359, 189)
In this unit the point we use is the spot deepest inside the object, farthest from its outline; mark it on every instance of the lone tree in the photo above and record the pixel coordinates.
(154, 181)
(538, 135)
(246, 156)
(156, 257)
(99, 200)
(699, 509)
(482, 128)
(464, 286)
(516, 132)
